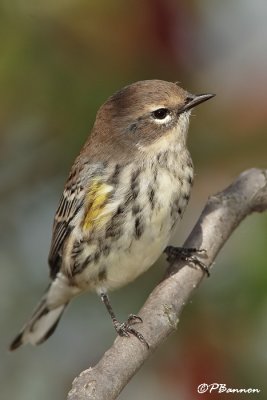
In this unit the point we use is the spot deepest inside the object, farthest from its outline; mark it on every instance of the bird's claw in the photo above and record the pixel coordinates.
(125, 329)
(186, 254)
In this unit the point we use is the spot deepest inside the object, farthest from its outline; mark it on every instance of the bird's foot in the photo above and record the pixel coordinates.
(186, 254)
(125, 328)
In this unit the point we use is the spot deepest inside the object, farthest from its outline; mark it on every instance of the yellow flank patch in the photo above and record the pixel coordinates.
(96, 200)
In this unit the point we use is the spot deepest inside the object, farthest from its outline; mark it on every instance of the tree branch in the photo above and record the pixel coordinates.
(221, 215)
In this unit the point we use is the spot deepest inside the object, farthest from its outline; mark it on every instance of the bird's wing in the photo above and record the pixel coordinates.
(91, 194)
(70, 203)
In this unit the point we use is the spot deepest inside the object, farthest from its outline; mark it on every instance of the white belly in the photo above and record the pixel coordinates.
(131, 257)
(130, 254)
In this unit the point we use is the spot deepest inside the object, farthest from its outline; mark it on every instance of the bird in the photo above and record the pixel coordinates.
(126, 192)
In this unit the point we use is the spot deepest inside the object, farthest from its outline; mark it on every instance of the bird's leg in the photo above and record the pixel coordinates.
(186, 254)
(124, 329)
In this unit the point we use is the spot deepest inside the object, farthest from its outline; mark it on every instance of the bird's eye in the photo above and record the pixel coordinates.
(160, 113)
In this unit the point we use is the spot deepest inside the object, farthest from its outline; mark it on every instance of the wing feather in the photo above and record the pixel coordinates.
(70, 203)
(93, 198)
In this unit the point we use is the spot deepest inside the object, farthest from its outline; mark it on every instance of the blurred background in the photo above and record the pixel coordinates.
(61, 60)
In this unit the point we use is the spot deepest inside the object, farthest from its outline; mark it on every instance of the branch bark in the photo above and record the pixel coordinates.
(221, 215)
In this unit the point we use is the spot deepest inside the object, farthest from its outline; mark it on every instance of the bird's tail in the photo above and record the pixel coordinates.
(46, 316)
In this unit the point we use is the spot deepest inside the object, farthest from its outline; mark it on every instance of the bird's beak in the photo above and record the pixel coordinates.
(193, 100)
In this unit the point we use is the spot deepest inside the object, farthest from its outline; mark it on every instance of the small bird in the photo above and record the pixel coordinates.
(125, 193)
